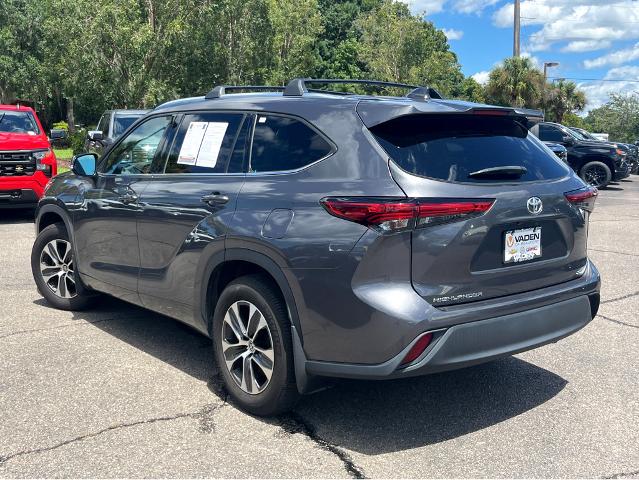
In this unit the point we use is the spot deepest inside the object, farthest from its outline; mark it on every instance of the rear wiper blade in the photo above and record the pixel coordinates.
(505, 171)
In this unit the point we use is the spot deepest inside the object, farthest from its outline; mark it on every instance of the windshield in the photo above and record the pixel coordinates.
(467, 148)
(18, 122)
(578, 134)
(121, 123)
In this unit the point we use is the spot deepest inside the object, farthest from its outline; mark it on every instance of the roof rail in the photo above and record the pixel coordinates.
(220, 90)
(297, 87)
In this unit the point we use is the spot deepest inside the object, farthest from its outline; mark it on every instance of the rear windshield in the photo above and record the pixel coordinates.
(18, 122)
(455, 148)
(121, 123)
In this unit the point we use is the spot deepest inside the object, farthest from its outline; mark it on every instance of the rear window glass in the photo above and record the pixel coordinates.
(121, 123)
(18, 122)
(455, 147)
(283, 143)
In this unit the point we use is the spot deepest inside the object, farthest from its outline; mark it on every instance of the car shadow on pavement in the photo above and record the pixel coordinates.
(16, 216)
(370, 417)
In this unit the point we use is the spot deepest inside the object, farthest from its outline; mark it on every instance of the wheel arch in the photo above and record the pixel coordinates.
(224, 267)
(598, 158)
(50, 214)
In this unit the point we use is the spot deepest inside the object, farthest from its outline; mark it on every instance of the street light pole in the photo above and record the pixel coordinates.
(548, 65)
(517, 28)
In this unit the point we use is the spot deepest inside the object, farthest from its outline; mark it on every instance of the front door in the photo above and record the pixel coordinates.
(105, 220)
(187, 206)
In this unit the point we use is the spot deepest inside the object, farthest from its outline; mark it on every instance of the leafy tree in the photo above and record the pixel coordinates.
(573, 120)
(619, 118)
(563, 97)
(516, 83)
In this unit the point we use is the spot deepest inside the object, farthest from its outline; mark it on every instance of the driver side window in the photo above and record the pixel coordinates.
(135, 153)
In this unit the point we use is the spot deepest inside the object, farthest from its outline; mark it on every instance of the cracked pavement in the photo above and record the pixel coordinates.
(121, 392)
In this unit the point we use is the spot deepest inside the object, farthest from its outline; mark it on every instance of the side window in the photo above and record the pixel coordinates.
(549, 133)
(204, 142)
(103, 125)
(283, 143)
(134, 154)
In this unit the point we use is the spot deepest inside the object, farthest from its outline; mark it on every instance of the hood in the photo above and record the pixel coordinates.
(22, 141)
(595, 143)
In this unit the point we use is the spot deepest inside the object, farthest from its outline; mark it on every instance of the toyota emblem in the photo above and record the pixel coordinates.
(535, 207)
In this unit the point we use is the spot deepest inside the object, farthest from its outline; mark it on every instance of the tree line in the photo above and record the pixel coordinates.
(77, 58)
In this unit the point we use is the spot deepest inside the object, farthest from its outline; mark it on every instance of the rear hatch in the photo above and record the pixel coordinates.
(530, 235)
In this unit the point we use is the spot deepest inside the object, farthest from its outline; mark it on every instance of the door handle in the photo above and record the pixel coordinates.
(128, 198)
(215, 199)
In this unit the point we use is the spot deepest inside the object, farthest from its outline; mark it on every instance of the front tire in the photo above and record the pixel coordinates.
(54, 270)
(253, 347)
(596, 174)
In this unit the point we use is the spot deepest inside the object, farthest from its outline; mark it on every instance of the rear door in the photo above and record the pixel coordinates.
(186, 207)
(531, 236)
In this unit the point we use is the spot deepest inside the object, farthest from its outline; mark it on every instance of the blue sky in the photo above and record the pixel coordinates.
(591, 39)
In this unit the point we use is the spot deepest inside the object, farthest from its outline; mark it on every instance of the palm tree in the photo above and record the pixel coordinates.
(564, 97)
(517, 83)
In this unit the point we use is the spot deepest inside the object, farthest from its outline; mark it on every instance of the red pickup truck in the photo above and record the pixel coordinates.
(27, 161)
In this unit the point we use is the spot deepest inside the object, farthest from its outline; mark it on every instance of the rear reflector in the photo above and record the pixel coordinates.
(392, 215)
(417, 349)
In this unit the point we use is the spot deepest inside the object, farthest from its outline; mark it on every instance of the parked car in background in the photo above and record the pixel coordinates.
(27, 161)
(112, 124)
(443, 232)
(558, 150)
(632, 151)
(597, 163)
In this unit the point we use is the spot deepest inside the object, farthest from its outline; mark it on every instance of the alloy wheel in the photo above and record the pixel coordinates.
(247, 346)
(57, 268)
(595, 175)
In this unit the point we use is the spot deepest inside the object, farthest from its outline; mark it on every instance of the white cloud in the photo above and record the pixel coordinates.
(452, 34)
(598, 93)
(586, 45)
(574, 21)
(481, 77)
(426, 6)
(617, 57)
(472, 6)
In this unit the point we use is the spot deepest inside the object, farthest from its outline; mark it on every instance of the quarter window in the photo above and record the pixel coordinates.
(204, 144)
(135, 153)
(283, 143)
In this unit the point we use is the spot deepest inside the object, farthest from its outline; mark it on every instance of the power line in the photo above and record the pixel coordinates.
(629, 80)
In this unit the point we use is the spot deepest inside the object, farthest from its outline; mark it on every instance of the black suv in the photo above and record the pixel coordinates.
(597, 163)
(322, 234)
(631, 150)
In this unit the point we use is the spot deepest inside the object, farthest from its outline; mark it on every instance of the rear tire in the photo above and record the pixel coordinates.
(596, 174)
(54, 271)
(253, 348)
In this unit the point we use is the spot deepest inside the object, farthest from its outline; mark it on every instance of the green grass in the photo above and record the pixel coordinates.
(63, 153)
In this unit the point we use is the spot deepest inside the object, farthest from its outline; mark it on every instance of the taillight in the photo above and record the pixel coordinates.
(393, 214)
(583, 198)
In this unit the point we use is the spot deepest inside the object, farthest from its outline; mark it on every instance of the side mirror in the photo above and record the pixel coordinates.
(95, 136)
(84, 164)
(568, 140)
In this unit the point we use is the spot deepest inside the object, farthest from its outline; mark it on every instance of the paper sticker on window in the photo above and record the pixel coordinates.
(202, 143)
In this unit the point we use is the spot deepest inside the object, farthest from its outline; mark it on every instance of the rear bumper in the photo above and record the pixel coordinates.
(477, 342)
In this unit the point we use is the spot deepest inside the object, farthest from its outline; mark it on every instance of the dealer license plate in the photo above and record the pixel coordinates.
(522, 245)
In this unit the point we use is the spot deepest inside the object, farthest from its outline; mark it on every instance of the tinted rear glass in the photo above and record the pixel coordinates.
(120, 124)
(451, 147)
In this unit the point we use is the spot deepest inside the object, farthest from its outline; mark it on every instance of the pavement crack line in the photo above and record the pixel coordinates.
(613, 251)
(623, 297)
(624, 475)
(203, 415)
(67, 325)
(293, 423)
(619, 322)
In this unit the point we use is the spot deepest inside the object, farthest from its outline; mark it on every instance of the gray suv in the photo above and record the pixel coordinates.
(315, 234)
(112, 124)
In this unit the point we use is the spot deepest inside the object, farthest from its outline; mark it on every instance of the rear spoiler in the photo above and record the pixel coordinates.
(375, 112)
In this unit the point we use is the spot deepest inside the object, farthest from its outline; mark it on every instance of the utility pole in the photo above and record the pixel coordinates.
(516, 29)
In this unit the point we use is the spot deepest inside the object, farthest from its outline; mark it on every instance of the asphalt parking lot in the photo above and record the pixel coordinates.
(121, 392)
